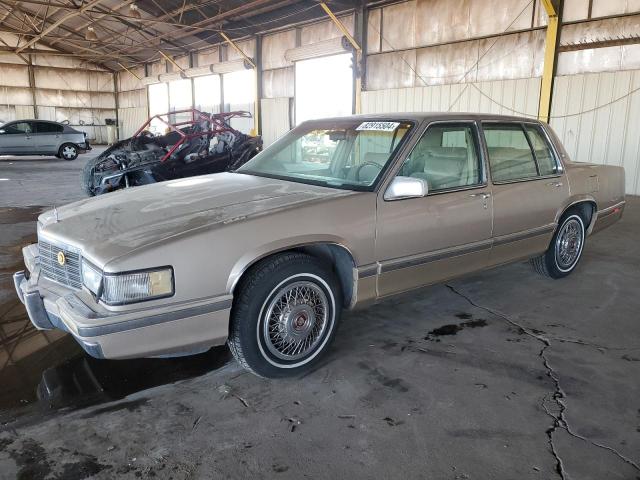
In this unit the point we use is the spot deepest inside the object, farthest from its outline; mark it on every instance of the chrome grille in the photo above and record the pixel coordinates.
(67, 274)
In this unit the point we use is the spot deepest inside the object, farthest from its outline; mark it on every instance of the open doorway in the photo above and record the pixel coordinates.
(324, 87)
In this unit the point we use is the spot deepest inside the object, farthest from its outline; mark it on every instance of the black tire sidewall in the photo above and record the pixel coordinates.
(250, 318)
(68, 145)
(552, 262)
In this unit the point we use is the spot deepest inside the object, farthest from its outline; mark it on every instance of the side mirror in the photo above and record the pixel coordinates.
(406, 187)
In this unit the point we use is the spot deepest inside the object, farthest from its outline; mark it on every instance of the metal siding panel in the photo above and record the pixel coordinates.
(24, 111)
(587, 120)
(398, 26)
(275, 114)
(594, 115)
(632, 153)
(619, 115)
(131, 119)
(47, 113)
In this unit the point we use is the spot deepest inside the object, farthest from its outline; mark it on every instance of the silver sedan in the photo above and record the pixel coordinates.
(41, 137)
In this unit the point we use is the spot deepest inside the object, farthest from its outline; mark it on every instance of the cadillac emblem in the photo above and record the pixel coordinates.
(61, 258)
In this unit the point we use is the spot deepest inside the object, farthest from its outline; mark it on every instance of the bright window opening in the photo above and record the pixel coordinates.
(324, 87)
(158, 104)
(180, 98)
(207, 93)
(239, 94)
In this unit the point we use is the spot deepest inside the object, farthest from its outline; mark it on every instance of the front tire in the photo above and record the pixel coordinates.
(68, 151)
(566, 247)
(285, 315)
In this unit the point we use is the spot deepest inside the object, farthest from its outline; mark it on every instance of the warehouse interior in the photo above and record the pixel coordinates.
(548, 388)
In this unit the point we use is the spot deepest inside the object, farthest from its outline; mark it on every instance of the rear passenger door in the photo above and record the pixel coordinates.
(528, 188)
(47, 137)
(420, 241)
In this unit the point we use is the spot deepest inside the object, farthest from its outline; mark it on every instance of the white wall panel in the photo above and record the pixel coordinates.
(131, 119)
(24, 111)
(596, 117)
(127, 82)
(14, 75)
(279, 82)
(15, 96)
(247, 46)
(275, 118)
(63, 62)
(132, 98)
(273, 48)
(208, 57)
(317, 32)
(507, 97)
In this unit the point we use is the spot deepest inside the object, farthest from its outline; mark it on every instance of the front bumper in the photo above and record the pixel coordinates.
(164, 330)
(84, 147)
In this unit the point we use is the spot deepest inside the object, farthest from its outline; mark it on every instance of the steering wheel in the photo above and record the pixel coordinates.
(365, 164)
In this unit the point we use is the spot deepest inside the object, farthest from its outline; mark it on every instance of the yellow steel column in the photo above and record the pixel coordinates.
(356, 46)
(546, 89)
(256, 108)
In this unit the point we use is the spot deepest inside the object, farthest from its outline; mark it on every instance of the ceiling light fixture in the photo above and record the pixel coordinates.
(134, 12)
(91, 35)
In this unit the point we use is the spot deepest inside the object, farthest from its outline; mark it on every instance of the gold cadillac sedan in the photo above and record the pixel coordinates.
(336, 214)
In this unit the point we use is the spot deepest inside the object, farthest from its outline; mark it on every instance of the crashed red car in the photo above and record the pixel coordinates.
(203, 143)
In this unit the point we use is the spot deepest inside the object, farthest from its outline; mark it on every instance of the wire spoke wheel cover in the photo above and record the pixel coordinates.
(295, 320)
(569, 244)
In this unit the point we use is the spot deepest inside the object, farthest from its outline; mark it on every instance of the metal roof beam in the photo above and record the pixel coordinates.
(59, 22)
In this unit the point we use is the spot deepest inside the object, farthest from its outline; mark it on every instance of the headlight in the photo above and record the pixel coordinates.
(120, 288)
(91, 276)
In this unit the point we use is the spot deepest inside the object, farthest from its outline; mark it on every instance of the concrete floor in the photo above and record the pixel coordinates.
(503, 374)
(41, 180)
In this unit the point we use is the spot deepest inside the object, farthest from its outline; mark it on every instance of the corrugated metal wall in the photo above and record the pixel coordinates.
(65, 89)
(507, 97)
(278, 113)
(133, 109)
(608, 129)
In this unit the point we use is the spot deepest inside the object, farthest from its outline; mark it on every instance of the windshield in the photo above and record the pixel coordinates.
(349, 154)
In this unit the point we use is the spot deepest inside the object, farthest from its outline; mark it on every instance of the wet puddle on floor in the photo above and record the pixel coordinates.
(42, 372)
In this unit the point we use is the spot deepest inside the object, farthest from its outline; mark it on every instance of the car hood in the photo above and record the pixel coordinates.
(114, 224)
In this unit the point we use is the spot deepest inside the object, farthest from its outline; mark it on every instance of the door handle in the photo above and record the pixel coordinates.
(555, 184)
(484, 195)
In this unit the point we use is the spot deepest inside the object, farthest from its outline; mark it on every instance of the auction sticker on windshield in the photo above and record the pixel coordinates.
(378, 126)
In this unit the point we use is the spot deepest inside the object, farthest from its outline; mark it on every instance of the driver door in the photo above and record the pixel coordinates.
(426, 240)
(17, 138)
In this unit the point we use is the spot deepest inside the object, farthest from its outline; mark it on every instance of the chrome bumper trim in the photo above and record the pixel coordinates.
(18, 278)
(123, 326)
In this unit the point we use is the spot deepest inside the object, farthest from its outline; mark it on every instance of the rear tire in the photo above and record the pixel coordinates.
(284, 315)
(68, 151)
(565, 251)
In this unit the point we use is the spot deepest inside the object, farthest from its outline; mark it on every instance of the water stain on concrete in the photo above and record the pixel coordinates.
(453, 329)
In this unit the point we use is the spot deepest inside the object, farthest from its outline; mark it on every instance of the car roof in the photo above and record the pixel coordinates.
(34, 120)
(431, 116)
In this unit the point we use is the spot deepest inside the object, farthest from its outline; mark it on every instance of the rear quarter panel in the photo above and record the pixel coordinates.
(602, 184)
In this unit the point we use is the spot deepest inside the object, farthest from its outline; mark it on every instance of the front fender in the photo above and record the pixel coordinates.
(251, 257)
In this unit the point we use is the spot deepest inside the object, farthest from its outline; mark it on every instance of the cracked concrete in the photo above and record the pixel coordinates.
(504, 374)
(558, 396)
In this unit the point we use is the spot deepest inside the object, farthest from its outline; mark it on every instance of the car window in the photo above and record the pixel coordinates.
(446, 157)
(349, 154)
(46, 127)
(510, 156)
(544, 156)
(19, 127)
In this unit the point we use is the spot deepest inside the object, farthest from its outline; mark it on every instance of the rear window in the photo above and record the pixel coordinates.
(510, 156)
(546, 161)
(46, 127)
